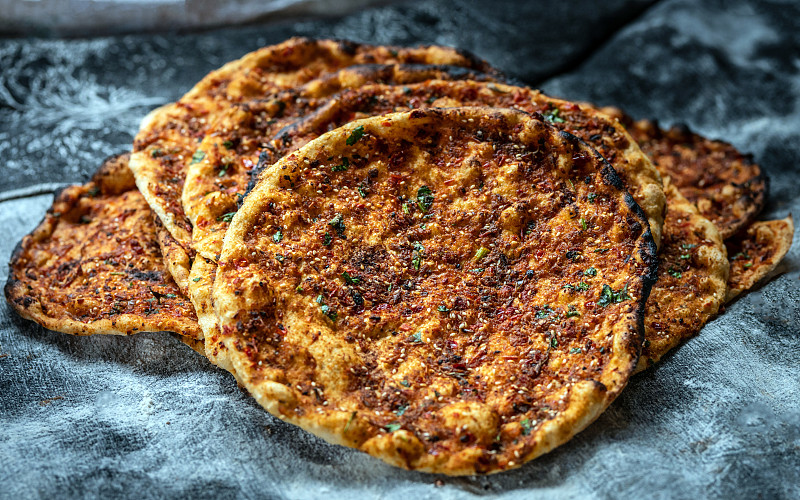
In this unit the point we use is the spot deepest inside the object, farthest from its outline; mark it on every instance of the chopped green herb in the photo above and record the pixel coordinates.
(741, 255)
(94, 191)
(575, 350)
(349, 279)
(748, 265)
(526, 426)
(424, 198)
(117, 274)
(675, 274)
(544, 312)
(572, 312)
(477, 270)
(197, 157)
(337, 223)
(553, 116)
(685, 256)
(197, 279)
(406, 210)
(226, 218)
(582, 287)
(155, 152)
(277, 237)
(553, 342)
(417, 255)
(481, 253)
(416, 338)
(573, 255)
(584, 224)
(442, 309)
(228, 144)
(361, 191)
(170, 295)
(400, 410)
(590, 272)
(591, 197)
(326, 310)
(688, 246)
(280, 258)
(299, 289)
(342, 167)
(405, 383)
(350, 421)
(355, 135)
(393, 427)
(223, 169)
(327, 239)
(601, 250)
(609, 296)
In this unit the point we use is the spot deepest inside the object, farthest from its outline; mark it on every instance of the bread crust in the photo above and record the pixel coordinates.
(93, 266)
(692, 279)
(470, 363)
(167, 139)
(756, 251)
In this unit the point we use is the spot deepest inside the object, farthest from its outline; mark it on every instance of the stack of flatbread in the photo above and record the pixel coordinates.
(399, 251)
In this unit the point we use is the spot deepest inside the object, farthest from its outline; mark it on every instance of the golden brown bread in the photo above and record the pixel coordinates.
(450, 290)
(93, 264)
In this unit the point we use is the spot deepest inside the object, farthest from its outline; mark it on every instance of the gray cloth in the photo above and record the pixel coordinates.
(146, 417)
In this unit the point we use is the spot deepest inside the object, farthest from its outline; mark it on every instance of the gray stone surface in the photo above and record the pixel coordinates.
(145, 417)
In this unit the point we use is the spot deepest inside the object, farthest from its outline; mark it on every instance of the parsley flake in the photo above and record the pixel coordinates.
(481, 253)
(675, 274)
(443, 309)
(349, 279)
(392, 427)
(526, 426)
(424, 198)
(226, 218)
(277, 237)
(355, 135)
(342, 167)
(197, 157)
(609, 296)
(590, 272)
(337, 223)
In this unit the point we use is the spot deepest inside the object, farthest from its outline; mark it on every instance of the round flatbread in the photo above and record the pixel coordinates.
(216, 183)
(427, 300)
(93, 265)
(692, 279)
(167, 140)
(756, 251)
(728, 187)
(583, 121)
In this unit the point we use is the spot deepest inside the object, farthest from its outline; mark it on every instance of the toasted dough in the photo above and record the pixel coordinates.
(423, 302)
(727, 187)
(216, 183)
(692, 279)
(584, 121)
(168, 137)
(756, 251)
(93, 265)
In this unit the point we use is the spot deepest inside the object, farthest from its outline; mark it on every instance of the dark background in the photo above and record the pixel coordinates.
(145, 417)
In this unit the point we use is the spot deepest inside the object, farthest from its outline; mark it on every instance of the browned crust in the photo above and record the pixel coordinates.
(92, 266)
(332, 382)
(692, 279)
(756, 251)
(586, 122)
(168, 136)
(727, 186)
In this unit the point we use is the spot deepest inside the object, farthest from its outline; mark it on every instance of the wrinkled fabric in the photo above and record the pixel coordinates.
(146, 417)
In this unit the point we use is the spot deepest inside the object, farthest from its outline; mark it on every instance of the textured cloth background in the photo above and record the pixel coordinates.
(146, 417)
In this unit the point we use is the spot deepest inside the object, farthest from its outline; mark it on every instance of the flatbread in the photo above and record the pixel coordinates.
(168, 136)
(583, 121)
(727, 186)
(425, 303)
(756, 252)
(692, 279)
(93, 265)
(216, 183)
